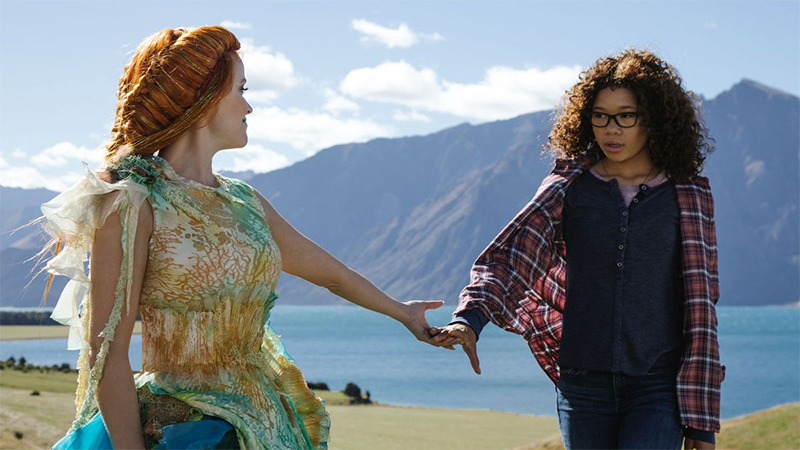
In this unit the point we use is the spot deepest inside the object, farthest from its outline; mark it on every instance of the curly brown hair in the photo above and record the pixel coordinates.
(678, 141)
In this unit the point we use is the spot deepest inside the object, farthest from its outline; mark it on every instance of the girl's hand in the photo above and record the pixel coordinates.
(462, 335)
(416, 322)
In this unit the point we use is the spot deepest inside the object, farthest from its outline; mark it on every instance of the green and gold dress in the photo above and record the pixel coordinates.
(210, 361)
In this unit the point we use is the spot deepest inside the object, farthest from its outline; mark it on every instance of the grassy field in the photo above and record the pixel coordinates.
(15, 332)
(43, 419)
(40, 419)
(391, 427)
(777, 427)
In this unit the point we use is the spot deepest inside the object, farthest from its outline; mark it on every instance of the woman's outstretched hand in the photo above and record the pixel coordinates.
(458, 334)
(416, 322)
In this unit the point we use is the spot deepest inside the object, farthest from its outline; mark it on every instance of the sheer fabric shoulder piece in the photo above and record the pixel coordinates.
(73, 217)
(205, 303)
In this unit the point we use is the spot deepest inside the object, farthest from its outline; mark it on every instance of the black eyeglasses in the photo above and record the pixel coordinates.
(623, 120)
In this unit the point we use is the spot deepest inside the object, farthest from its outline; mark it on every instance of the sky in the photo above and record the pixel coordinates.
(334, 72)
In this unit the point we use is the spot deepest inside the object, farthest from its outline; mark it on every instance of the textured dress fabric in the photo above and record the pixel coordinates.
(208, 352)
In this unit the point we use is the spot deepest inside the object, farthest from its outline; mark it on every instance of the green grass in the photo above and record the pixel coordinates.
(354, 427)
(333, 397)
(391, 427)
(387, 427)
(57, 382)
(53, 408)
(773, 428)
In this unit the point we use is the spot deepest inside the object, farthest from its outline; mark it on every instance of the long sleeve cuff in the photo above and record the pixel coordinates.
(700, 435)
(473, 318)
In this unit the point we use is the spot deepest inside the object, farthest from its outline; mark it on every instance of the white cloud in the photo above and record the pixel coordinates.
(257, 158)
(392, 82)
(433, 37)
(410, 116)
(504, 92)
(336, 103)
(402, 36)
(713, 26)
(310, 132)
(232, 25)
(62, 159)
(753, 170)
(63, 153)
(27, 177)
(268, 74)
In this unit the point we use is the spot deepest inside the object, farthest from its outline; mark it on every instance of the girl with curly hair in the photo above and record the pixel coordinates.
(610, 272)
(198, 256)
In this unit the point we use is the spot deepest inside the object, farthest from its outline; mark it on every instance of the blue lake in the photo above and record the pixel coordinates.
(759, 345)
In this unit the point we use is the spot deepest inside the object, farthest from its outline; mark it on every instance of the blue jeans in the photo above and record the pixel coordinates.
(605, 410)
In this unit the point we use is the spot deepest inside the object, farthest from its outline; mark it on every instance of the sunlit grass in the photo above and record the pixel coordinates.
(46, 417)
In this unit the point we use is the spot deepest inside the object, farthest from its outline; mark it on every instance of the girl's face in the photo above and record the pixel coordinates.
(229, 126)
(624, 137)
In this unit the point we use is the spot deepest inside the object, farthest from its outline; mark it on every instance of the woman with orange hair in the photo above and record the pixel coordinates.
(198, 256)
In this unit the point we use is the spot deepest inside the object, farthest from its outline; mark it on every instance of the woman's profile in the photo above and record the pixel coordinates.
(610, 272)
(198, 256)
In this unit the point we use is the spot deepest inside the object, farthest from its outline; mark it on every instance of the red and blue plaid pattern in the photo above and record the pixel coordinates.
(519, 282)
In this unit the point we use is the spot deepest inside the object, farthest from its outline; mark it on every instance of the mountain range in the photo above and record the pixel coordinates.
(413, 213)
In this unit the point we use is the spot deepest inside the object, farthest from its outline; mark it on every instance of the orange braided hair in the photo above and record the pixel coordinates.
(174, 78)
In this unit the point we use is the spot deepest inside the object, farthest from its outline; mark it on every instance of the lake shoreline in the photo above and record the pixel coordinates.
(341, 345)
(31, 332)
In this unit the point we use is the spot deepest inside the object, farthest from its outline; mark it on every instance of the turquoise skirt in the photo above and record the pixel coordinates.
(206, 433)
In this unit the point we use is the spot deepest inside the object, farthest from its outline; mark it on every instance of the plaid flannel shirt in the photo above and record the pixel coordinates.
(519, 282)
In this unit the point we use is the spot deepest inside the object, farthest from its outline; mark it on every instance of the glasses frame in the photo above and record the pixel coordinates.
(614, 116)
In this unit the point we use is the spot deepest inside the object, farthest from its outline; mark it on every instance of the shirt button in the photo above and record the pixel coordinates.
(621, 246)
(624, 213)
(636, 200)
(644, 187)
(622, 229)
(619, 264)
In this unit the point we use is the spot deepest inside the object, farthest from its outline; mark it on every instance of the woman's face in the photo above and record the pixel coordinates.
(229, 125)
(617, 143)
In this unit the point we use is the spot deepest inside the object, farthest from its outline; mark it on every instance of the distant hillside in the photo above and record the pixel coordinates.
(413, 213)
(755, 177)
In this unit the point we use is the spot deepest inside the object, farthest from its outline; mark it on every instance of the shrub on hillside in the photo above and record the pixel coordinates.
(354, 392)
(318, 386)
